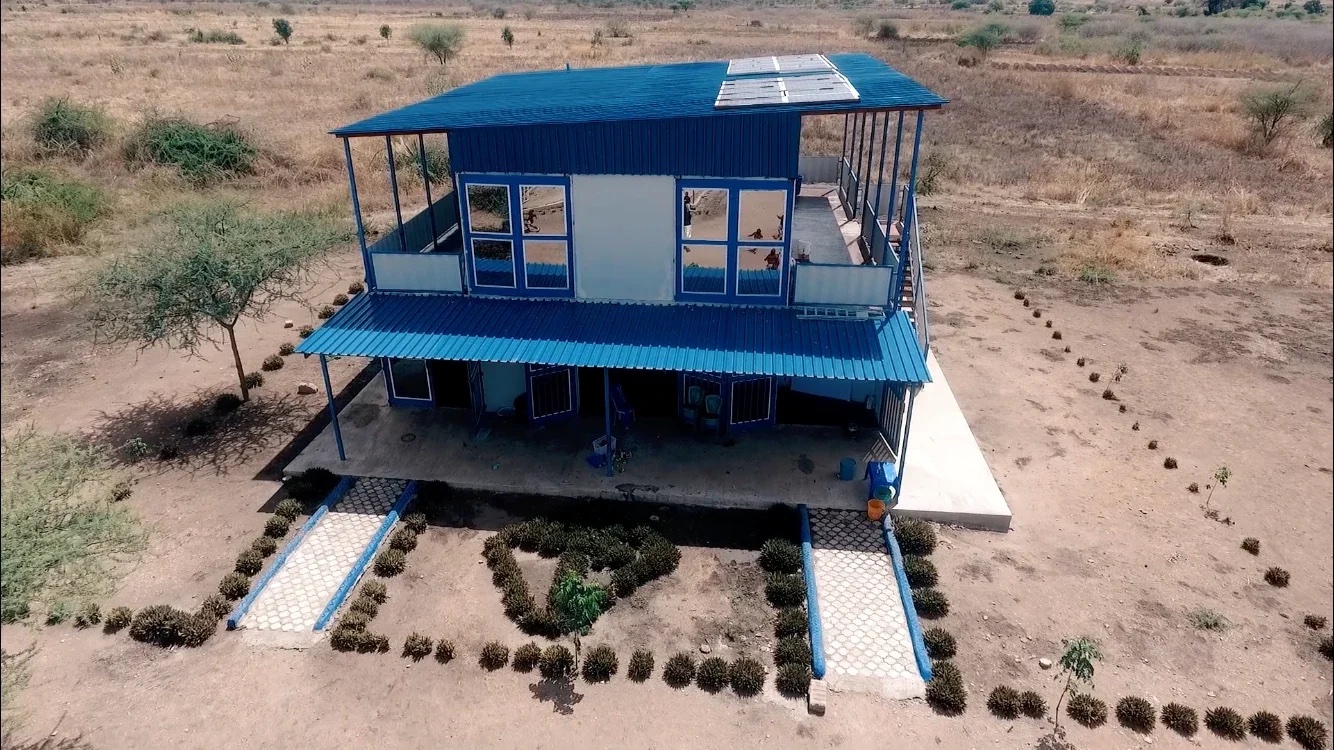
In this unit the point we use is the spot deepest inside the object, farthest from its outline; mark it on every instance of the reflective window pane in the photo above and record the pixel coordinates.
(543, 209)
(704, 214)
(409, 378)
(759, 270)
(546, 264)
(763, 215)
(494, 261)
(489, 208)
(704, 269)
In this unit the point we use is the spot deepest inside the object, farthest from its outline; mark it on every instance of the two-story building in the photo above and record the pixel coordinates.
(651, 239)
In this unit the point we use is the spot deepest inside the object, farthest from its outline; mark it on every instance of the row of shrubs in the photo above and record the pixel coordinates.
(351, 633)
(785, 588)
(946, 692)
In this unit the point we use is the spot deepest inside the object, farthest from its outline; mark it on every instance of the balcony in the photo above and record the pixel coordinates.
(424, 255)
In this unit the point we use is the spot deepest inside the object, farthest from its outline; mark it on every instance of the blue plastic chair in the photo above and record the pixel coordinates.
(712, 419)
(694, 400)
(621, 408)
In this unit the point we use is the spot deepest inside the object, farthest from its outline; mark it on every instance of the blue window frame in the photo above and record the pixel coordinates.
(516, 234)
(733, 240)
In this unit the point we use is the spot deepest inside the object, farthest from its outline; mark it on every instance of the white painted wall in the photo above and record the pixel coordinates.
(502, 383)
(844, 390)
(841, 285)
(417, 272)
(624, 237)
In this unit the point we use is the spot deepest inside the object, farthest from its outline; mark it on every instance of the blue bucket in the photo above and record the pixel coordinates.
(847, 469)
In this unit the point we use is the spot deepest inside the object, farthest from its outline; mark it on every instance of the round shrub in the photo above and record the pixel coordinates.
(365, 605)
(88, 615)
(792, 650)
(253, 380)
(347, 639)
(930, 603)
(374, 643)
(160, 625)
(1180, 719)
(234, 586)
(556, 663)
(417, 646)
(226, 403)
(494, 656)
(540, 621)
(785, 589)
(404, 540)
(1266, 726)
(305, 331)
(1225, 722)
(416, 522)
(1327, 647)
(921, 572)
(915, 537)
(62, 126)
(679, 670)
(1004, 702)
(376, 591)
(1087, 710)
(600, 663)
(746, 676)
(354, 619)
(939, 643)
(527, 656)
(657, 558)
(641, 665)
(625, 581)
(780, 556)
(1169, 463)
(340, 299)
(1032, 705)
(390, 563)
(215, 607)
(1315, 622)
(271, 363)
(265, 546)
(117, 619)
(356, 287)
(791, 621)
(288, 508)
(444, 651)
(793, 680)
(1136, 714)
(1308, 732)
(286, 349)
(1251, 545)
(311, 485)
(1277, 577)
(249, 562)
(196, 630)
(712, 674)
(326, 312)
(946, 692)
(277, 527)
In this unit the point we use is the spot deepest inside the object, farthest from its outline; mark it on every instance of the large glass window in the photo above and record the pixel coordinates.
(494, 261)
(489, 208)
(408, 379)
(704, 269)
(519, 233)
(734, 240)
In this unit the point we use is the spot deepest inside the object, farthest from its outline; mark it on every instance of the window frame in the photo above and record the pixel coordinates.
(392, 387)
(734, 242)
(514, 183)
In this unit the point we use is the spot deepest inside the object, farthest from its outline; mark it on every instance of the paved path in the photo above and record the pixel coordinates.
(300, 590)
(867, 646)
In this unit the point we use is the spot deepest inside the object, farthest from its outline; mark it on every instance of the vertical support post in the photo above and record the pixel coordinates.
(606, 411)
(861, 176)
(356, 215)
(426, 182)
(333, 408)
(909, 202)
(870, 157)
(894, 175)
(879, 188)
(903, 444)
(843, 148)
(393, 187)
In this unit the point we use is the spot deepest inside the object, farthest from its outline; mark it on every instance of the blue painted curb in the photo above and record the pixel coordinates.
(359, 566)
(905, 594)
(812, 600)
(337, 492)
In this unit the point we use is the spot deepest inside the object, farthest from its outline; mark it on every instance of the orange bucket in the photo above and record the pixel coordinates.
(875, 509)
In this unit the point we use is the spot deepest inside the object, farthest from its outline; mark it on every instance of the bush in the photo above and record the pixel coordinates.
(1032, 705)
(712, 674)
(277, 527)
(1308, 732)
(1004, 702)
(444, 651)
(1273, 112)
(305, 331)
(253, 380)
(1136, 714)
(679, 670)
(527, 656)
(442, 41)
(886, 30)
(1181, 719)
(1251, 545)
(339, 300)
(201, 153)
(117, 619)
(600, 664)
(61, 126)
(540, 621)
(494, 656)
(1315, 622)
(311, 485)
(791, 622)
(1095, 377)
(365, 605)
(249, 562)
(288, 508)
(1277, 577)
(196, 630)
(746, 676)
(226, 403)
(1169, 463)
(641, 665)
(1087, 710)
(375, 591)
(87, 615)
(213, 36)
(160, 625)
(1041, 7)
(1266, 726)
(355, 619)
(417, 647)
(1109, 395)
(41, 208)
(915, 537)
(404, 540)
(792, 650)
(556, 663)
(946, 692)
(984, 38)
(931, 604)
(271, 363)
(348, 639)
(215, 607)
(921, 572)
(780, 556)
(657, 558)
(390, 563)
(416, 522)
(785, 590)
(1226, 723)
(356, 287)
(939, 643)
(1327, 647)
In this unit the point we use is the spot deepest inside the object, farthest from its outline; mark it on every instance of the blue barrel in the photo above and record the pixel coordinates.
(847, 469)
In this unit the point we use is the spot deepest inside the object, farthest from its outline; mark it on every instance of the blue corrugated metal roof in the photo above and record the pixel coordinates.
(677, 337)
(641, 92)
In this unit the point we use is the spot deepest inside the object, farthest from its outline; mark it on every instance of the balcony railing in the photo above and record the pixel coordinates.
(424, 255)
(427, 232)
(828, 284)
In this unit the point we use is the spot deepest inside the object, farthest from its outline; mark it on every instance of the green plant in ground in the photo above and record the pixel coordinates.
(785, 589)
(527, 656)
(288, 508)
(252, 380)
(1221, 475)
(227, 403)
(1325, 131)
(415, 521)
(339, 300)
(1315, 622)
(218, 265)
(679, 670)
(356, 287)
(385, 31)
(1181, 719)
(1207, 619)
(1077, 666)
(305, 331)
(215, 607)
(1169, 463)
(1087, 710)
(915, 537)
(494, 656)
(159, 625)
(1277, 577)
(886, 30)
(234, 585)
(390, 562)
(197, 629)
(441, 41)
(376, 591)
(712, 674)
(792, 650)
(576, 604)
(277, 527)
(365, 605)
(117, 619)
(946, 692)
(201, 153)
(920, 572)
(985, 39)
(793, 680)
(746, 676)
(1310, 733)
(87, 615)
(1266, 726)
(1041, 7)
(283, 28)
(444, 651)
(780, 556)
(641, 665)
(64, 127)
(265, 546)
(355, 619)
(213, 36)
(1032, 705)
(1327, 647)
(939, 643)
(1226, 723)
(403, 539)
(791, 621)
(1272, 113)
(311, 485)
(557, 663)
(348, 638)
(272, 363)
(417, 646)
(1136, 714)
(931, 604)
(600, 664)
(507, 36)
(42, 208)
(1004, 702)
(326, 312)
(249, 562)
(1251, 545)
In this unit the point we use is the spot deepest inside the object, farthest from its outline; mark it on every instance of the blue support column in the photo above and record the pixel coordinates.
(861, 177)
(903, 444)
(606, 411)
(909, 202)
(894, 175)
(393, 188)
(333, 408)
(870, 157)
(356, 216)
(879, 188)
(426, 182)
(843, 149)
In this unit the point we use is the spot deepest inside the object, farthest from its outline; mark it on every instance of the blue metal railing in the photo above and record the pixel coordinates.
(417, 233)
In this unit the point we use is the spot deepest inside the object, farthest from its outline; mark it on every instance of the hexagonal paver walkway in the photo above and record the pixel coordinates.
(298, 593)
(867, 645)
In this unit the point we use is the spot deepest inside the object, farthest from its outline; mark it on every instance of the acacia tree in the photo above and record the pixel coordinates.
(283, 28)
(440, 40)
(576, 605)
(507, 36)
(1273, 112)
(216, 265)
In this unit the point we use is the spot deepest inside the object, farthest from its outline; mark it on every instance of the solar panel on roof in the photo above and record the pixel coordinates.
(778, 64)
(816, 88)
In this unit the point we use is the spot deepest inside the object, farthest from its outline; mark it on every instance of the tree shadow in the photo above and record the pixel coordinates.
(559, 693)
(9, 742)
